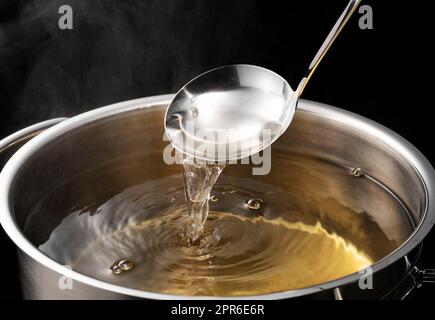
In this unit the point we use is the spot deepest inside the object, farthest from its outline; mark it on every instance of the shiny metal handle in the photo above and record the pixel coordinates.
(420, 277)
(426, 276)
(339, 25)
(26, 134)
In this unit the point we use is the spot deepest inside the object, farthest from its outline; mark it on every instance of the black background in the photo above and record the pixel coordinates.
(120, 50)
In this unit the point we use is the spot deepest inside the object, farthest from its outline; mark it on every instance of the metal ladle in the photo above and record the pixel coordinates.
(235, 111)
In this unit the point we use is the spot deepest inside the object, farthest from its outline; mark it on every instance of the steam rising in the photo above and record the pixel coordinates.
(116, 51)
(120, 50)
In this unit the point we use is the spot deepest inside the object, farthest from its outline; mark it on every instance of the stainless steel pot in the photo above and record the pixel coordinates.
(366, 150)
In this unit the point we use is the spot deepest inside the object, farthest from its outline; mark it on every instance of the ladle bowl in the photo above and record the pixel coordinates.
(235, 111)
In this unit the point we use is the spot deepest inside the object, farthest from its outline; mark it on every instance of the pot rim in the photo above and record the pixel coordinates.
(401, 146)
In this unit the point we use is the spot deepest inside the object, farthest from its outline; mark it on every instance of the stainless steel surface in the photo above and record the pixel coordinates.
(339, 137)
(230, 112)
(235, 111)
(41, 282)
(26, 134)
(426, 275)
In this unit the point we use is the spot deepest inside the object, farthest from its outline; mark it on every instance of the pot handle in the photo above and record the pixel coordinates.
(419, 277)
(425, 276)
(27, 134)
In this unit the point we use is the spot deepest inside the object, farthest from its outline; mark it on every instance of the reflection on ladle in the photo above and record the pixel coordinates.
(234, 106)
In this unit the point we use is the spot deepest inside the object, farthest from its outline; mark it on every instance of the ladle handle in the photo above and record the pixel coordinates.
(339, 25)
